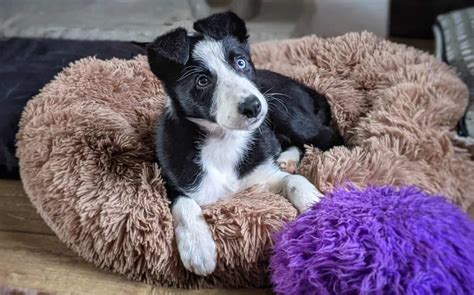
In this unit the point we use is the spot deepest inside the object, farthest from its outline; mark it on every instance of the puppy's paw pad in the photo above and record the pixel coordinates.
(197, 251)
(288, 166)
(289, 159)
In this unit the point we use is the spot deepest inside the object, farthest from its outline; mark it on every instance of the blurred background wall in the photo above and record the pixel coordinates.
(142, 20)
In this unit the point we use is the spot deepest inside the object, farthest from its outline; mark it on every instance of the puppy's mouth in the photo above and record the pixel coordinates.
(242, 125)
(256, 122)
(246, 124)
(237, 118)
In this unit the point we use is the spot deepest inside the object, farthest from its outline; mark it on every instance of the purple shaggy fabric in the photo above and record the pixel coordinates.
(380, 240)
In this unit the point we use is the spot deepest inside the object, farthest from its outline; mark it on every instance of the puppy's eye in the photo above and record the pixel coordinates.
(202, 81)
(241, 63)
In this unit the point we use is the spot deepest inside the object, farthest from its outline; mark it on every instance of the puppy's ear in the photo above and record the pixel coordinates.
(220, 25)
(168, 54)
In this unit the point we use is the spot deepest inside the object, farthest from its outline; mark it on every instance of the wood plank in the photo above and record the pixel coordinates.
(42, 262)
(16, 211)
(169, 291)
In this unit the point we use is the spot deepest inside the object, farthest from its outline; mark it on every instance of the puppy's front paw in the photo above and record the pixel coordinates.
(197, 248)
(301, 193)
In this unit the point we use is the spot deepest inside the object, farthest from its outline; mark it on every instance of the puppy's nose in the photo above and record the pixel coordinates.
(250, 106)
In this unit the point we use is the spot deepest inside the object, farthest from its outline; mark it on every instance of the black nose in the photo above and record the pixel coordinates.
(250, 107)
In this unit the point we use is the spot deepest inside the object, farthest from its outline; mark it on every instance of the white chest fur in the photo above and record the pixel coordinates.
(219, 158)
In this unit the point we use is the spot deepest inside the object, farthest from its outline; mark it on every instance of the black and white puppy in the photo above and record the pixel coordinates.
(225, 126)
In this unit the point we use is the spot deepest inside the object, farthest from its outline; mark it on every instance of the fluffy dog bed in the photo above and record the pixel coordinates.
(86, 153)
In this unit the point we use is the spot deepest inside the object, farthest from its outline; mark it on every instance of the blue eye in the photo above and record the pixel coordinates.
(242, 63)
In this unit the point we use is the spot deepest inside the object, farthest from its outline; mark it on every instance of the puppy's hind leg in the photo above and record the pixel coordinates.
(289, 159)
(196, 245)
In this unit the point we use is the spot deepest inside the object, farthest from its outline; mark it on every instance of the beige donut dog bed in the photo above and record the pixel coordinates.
(86, 153)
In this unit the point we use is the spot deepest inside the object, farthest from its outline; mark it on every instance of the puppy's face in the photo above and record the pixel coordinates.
(209, 76)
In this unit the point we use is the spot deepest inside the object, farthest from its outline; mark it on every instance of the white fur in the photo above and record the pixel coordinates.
(231, 87)
(292, 154)
(296, 188)
(261, 175)
(219, 157)
(211, 127)
(169, 109)
(196, 246)
(300, 192)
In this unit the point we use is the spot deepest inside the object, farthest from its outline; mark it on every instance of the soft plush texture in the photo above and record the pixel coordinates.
(87, 161)
(380, 240)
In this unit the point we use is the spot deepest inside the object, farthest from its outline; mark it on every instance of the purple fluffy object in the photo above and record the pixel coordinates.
(381, 240)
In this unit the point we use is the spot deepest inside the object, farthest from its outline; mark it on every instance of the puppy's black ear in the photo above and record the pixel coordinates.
(168, 54)
(220, 25)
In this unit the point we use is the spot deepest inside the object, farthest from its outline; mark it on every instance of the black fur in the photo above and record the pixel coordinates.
(221, 25)
(299, 115)
(168, 54)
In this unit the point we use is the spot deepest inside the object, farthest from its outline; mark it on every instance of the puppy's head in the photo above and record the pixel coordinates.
(209, 75)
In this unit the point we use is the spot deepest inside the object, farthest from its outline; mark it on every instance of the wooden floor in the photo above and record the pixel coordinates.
(32, 257)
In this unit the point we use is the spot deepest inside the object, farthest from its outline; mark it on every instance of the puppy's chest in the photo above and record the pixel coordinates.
(219, 159)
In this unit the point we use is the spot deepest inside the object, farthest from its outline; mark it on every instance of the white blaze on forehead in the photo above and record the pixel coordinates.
(230, 87)
(212, 54)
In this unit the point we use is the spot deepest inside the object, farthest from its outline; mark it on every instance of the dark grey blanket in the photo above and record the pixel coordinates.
(26, 65)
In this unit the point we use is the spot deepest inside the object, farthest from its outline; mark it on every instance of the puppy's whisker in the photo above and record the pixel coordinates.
(189, 73)
(280, 94)
(270, 98)
(190, 69)
(267, 91)
(267, 120)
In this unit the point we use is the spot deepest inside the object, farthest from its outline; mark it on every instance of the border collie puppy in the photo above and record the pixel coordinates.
(224, 128)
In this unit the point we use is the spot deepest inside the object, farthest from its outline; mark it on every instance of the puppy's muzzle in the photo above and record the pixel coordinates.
(250, 107)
